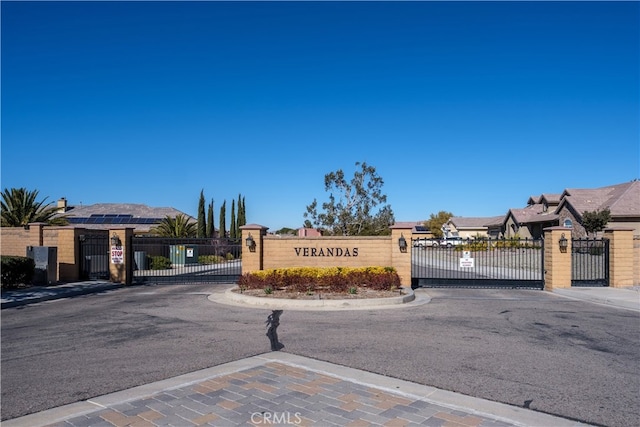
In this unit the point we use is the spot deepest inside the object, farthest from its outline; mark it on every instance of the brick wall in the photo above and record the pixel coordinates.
(14, 240)
(282, 252)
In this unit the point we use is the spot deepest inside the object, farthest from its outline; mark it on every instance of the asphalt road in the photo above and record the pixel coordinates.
(522, 347)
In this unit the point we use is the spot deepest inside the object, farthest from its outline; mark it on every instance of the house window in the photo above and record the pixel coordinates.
(545, 207)
(568, 223)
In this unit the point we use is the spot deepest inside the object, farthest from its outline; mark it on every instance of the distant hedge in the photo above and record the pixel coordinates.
(16, 271)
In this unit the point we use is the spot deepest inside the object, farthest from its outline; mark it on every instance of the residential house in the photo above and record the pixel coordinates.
(622, 200)
(529, 222)
(567, 209)
(472, 227)
(309, 232)
(104, 216)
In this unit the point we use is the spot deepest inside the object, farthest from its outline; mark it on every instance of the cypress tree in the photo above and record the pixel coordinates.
(242, 218)
(211, 232)
(202, 226)
(244, 213)
(222, 231)
(233, 230)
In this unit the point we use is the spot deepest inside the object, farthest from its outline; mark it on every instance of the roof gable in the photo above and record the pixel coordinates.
(623, 200)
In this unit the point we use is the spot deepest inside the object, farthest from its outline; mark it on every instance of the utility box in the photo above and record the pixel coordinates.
(183, 254)
(46, 260)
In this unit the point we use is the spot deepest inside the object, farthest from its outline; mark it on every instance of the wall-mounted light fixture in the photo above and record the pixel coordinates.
(563, 243)
(402, 243)
(115, 240)
(251, 244)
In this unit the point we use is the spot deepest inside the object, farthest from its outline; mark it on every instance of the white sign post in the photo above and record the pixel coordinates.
(466, 261)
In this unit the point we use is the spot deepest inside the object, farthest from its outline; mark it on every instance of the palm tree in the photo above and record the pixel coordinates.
(180, 226)
(19, 208)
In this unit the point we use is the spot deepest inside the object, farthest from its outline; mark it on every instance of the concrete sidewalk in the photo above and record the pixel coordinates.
(625, 298)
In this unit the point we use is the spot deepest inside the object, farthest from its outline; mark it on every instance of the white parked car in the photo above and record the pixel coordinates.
(425, 243)
(451, 241)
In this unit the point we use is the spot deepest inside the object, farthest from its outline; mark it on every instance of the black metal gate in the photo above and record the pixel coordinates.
(94, 256)
(589, 262)
(491, 263)
(187, 260)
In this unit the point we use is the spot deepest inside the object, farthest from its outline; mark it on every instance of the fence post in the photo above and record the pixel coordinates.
(252, 256)
(121, 263)
(620, 256)
(401, 258)
(557, 261)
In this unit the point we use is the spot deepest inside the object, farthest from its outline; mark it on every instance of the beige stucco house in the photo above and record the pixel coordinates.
(473, 227)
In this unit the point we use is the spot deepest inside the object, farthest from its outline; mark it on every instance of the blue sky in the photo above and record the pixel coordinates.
(468, 107)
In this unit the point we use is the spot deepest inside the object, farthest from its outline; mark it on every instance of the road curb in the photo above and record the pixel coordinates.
(235, 298)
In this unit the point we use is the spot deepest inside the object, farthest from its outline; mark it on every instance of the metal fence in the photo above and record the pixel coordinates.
(174, 260)
(491, 263)
(94, 256)
(589, 262)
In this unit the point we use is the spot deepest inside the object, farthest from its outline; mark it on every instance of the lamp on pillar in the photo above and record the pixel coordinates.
(402, 243)
(251, 244)
(115, 240)
(563, 243)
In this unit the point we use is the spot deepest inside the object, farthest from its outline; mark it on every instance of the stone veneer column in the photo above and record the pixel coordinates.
(557, 263)
(401, 260)
(253, 259)
(620, 256)
(122, 273)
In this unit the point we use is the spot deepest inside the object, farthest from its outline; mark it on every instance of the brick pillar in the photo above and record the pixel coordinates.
(122, 271)
(399, 259)
(69, 254)
(557, 262)
(36, 233)
(253, 258)
(620, 256)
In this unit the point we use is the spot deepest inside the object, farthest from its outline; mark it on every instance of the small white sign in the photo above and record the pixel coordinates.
(189, 252)
(117, 255)
(467, 263)
(466, 254)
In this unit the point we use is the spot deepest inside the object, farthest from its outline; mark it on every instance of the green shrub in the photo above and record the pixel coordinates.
(209, 259)
(16, 271)
(159, 262)
(229, 256)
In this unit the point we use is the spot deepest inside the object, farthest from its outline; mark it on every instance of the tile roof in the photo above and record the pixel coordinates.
(532, 213)
(623, 200)
(475, 222)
